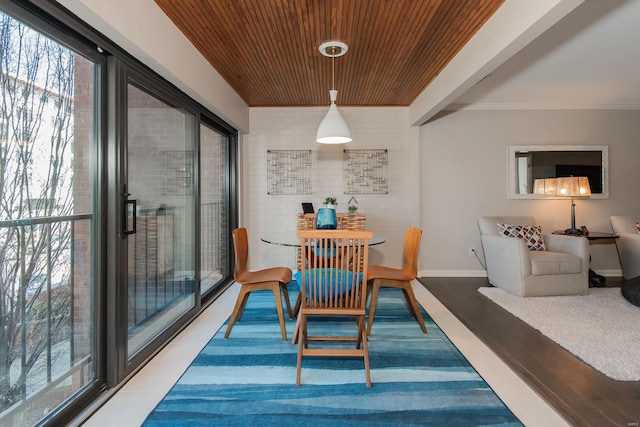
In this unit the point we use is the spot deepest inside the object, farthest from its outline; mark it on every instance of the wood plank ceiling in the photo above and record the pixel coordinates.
(267, 50)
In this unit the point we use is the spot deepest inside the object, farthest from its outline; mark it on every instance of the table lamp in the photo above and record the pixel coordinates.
(573, 186)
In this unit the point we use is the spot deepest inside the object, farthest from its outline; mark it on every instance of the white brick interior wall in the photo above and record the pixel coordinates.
(295, 129)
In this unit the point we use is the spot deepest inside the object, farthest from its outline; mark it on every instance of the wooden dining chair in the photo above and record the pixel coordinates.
(274, 279)
(331, 286)
(382, 276)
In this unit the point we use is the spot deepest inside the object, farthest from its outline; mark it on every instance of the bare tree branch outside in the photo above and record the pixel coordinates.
(36, 190)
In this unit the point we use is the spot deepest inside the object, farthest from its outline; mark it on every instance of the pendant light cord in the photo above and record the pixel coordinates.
(333, 68)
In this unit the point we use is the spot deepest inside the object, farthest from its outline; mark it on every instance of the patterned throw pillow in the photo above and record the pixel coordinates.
(638, 226)
(531, 234)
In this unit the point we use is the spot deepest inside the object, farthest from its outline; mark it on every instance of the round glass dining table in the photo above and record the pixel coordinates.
(290, 238)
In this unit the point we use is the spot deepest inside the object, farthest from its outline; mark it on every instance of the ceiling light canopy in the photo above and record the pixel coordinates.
(333, 128)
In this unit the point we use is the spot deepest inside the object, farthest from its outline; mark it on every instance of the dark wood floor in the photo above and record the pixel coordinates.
(584, 396)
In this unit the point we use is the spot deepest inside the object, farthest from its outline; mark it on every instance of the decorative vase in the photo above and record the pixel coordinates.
(326, 219)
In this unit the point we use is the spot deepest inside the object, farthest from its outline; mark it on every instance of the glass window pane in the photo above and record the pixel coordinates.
(47, 155)
(161, 255)
(214, 227)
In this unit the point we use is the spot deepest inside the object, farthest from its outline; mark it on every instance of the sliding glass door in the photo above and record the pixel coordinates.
(159, 204)
(214, 207)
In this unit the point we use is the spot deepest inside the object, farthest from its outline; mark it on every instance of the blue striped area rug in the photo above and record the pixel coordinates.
(249, 379)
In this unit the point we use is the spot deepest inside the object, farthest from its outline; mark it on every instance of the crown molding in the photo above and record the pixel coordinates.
(526, 106)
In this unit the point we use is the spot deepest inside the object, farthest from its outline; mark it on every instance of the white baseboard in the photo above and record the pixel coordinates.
(452, 273)
(483, 273)
(610, 273)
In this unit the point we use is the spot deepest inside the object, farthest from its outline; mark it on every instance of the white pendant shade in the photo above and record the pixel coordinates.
(333, 128)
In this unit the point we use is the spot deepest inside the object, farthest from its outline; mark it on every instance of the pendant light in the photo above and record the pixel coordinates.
(333, 128)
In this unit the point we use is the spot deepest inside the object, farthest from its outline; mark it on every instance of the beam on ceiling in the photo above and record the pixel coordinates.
(511, 28)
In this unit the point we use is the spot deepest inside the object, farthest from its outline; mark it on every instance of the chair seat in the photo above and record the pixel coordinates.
(548, 263)
(274, 274)
(382, 272)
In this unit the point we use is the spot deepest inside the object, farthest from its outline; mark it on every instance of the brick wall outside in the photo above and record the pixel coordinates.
(214, 209)
(84, 153)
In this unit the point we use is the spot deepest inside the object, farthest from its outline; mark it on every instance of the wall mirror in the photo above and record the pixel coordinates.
(530, 162)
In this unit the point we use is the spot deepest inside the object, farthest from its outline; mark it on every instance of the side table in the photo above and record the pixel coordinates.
(595, 280)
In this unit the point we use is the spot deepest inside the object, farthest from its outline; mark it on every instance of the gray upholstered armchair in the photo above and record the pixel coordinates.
(628, 243)
(562, 269)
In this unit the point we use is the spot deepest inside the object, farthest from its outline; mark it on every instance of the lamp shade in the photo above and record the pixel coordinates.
(545, 186)
(333, 128)
(573, 186)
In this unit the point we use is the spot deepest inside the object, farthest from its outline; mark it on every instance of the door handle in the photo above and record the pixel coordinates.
(125, 215)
